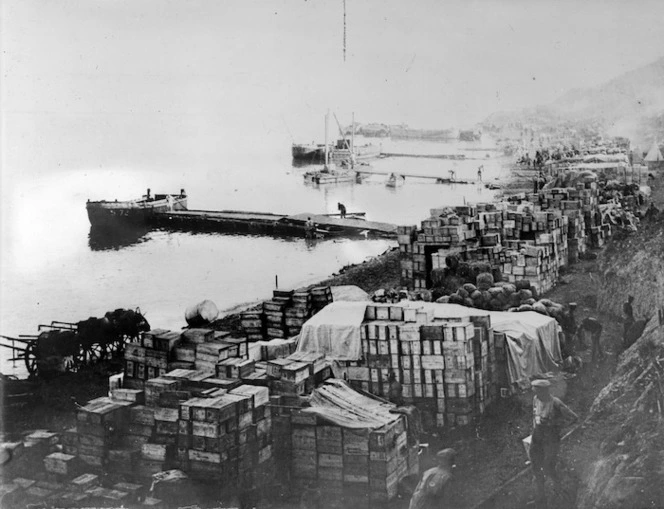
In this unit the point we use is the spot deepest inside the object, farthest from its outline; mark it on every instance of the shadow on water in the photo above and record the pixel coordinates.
(116, 237)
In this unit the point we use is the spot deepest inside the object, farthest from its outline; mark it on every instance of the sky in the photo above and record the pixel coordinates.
(235, 67)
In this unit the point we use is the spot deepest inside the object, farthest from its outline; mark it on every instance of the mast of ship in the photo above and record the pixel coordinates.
(352, 134)
(327, 115)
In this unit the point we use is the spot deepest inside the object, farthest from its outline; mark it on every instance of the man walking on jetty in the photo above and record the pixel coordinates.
(594, 328)
(309, 229)
(433, 491)
(342, 210)
(549, 415)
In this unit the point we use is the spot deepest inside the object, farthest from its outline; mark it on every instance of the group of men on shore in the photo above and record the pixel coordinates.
(549, 415)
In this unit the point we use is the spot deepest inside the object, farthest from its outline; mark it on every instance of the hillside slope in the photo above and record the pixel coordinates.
(629, 411)
(630, 105)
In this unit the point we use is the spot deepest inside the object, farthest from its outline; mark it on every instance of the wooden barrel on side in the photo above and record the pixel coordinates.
(202, 313)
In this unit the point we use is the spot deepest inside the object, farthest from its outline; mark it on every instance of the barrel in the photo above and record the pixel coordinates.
(202, 313)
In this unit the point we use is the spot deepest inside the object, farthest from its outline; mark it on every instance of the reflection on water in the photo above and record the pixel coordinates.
(116, 237)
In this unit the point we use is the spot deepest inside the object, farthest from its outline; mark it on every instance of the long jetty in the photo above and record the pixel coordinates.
(439, 180)
(271, 224)
(457, 157)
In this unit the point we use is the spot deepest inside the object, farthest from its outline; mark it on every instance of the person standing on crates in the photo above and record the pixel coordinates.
(549, 415)
(433, 490)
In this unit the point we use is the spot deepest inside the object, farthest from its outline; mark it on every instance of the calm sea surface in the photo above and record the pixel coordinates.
(52, 269)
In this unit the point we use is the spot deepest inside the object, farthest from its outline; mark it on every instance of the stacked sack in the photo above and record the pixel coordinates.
(502, 296)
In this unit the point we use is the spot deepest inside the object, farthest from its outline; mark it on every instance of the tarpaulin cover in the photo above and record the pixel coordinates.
(350, 293)
(339, 404)
(334, 331)
(532, 339)
(533, 342)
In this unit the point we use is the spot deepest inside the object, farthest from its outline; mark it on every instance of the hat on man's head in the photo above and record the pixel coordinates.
(448, 455)
(540, 383)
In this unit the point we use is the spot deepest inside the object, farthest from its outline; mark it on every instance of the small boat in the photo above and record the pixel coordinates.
(395, 180)
(329, 174)
(109, 213)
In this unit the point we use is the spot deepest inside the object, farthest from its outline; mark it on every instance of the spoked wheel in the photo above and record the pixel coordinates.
(93, 353)
(116, 348)
(73, 363)
(31, 359)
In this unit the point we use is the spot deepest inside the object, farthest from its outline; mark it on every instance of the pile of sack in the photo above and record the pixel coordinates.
(486, 293)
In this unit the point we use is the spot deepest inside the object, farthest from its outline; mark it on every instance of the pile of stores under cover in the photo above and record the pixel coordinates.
(269, 417)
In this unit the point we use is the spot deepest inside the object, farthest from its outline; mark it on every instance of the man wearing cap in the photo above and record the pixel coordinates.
(549, 415)
(432, 492)
(592, 326)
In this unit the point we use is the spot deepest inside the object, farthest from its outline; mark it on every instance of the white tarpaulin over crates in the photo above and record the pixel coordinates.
(349, 293)
(334, 331)
(339, 404)
(533, 342)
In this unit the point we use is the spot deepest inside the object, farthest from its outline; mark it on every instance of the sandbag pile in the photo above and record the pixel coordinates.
(502, 296)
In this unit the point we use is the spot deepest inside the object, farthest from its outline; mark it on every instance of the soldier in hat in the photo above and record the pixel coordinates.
(592, 326)
(549, 415)
(432, 492)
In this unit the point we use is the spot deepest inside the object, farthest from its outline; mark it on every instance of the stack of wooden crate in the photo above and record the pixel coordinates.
(213, 429)
(252, 324)
(321, 296)
(488, 231)
(159, 351)
(99, 424)
(298, 312)
(149, 357)
(359, 465)
(227, 437)
(446, 368)
(297, 374)
(284, 315)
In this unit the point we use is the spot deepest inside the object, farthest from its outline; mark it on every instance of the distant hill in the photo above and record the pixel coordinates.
(631, 104)
(636, 93)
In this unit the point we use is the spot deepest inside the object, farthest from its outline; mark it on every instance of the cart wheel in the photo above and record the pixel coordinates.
(94, 353)
(31, 358)
(74, 363)
(118, 346)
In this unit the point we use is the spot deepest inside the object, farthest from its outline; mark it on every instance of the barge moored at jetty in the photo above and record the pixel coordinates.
(107, 213)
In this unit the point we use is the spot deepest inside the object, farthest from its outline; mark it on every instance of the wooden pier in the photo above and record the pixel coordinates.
(439, 180)
(271, 224)
(456, 157)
